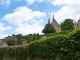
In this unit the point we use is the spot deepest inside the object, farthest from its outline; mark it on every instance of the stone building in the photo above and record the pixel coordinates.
(55, 24)
(77, 24)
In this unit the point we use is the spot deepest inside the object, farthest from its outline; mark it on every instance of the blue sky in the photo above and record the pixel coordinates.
(30, 16)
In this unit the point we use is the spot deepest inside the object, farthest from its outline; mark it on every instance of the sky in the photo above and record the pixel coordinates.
(30, 16)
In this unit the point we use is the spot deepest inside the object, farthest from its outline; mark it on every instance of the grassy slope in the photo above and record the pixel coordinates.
(53, 34)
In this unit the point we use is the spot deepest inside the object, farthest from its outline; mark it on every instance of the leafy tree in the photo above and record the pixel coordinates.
(10, 42)
(19, 39)
(48, 29)
(38, 37)
(34, 36)
(67, 24)
(29, 38)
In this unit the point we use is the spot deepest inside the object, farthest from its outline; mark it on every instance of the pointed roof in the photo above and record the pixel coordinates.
(53, 16)
(53, 19)
(48, 21)
(55, 24)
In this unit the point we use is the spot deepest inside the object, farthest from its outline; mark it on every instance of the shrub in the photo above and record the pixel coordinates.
(72, 46)
(11, 53)
(46, 48)
(1, 53)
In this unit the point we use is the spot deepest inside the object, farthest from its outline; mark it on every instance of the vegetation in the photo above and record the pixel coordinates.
(10, 42)
(48, 29)
(19, 53)
(1, 53)
(34, 36)
(19, 38)
(66, 46)
(67, 25)
(38, 36)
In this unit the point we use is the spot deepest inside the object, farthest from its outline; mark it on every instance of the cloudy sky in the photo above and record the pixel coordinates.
(30, 16)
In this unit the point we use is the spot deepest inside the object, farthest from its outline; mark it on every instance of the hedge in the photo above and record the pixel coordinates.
(68, 48)
(47, 48)
(19, 53)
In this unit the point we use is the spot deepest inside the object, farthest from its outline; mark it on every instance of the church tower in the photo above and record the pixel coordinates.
(55, 25)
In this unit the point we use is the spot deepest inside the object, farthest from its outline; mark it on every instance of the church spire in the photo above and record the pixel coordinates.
(53, 16)
(48, 21)
(53, 19)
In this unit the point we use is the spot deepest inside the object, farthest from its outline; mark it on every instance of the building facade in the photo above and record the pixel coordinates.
(55, 24)
(77, 24)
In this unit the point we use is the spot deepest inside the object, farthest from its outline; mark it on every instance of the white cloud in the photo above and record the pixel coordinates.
(29, 29)
(69, 9)
(26, 20)
(3, 28)
(65, 2)
(23, 14)
(5, 2)
(2, 36)
(32, 1)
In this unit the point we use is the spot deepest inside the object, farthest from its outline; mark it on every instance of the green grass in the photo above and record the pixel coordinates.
(53, 34)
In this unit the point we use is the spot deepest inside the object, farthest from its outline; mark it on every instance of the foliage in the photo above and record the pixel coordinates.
(67, 32)
(71, 51)
(67, 46)
(29, 38)
(19, 39)
(1, 53)
(11, 53)
(67, 24)
(45, 48)
(38, 37)
(48, 29)
(34, 36)
(21, 53)
(10, 42)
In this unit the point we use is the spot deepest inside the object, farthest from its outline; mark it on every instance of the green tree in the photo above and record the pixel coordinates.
(10, 42)
(67, 24)
(38, 37)
(34, 36)
(48, 29)
(19, 39)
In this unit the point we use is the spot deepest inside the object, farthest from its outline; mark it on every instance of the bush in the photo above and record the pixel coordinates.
(72, 46)
(20, 53)
(68, 47)
(46, 48)
(1, 53)
(11, 53)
